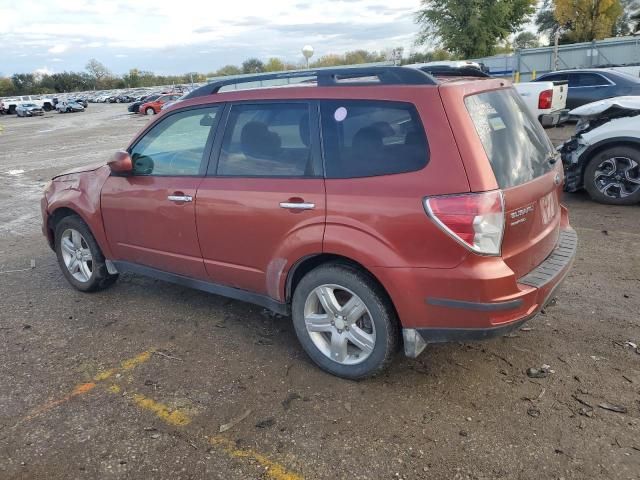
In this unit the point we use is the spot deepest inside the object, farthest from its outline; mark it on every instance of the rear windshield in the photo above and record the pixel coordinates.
(516, 144)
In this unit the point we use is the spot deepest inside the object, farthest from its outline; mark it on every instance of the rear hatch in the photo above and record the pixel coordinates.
(526, 169)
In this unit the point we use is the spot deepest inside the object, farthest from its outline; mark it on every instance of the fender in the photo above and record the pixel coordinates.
(80, 192)
(586, 155)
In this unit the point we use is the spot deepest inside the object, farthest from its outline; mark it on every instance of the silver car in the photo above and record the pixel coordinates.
(29, 110)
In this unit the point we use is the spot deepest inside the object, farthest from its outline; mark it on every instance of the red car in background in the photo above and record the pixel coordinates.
(153, 107)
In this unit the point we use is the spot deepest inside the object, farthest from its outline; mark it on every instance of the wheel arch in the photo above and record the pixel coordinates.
(602, 145)
(310, 262)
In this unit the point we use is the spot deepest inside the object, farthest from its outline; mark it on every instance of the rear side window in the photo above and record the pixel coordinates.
(590, 80)
(363, 138)
(267, 140)
(515, 143)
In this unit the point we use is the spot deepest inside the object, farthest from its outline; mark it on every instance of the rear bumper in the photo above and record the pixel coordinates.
(497, 304)
(554, 118)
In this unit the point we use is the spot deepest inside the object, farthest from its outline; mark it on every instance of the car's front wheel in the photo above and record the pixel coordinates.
(612, 176)
(344, 321)
(80, 257)
(150, 111)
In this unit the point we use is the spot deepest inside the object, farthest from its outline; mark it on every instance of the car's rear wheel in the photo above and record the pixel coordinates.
(80, 257)
(344, 321)
(150, 111)
(612, 176)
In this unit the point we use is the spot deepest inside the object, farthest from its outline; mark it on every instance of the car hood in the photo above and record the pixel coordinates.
(85, 168)
(607, 106)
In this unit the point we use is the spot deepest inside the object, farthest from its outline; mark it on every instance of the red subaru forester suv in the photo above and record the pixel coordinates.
(377, 206)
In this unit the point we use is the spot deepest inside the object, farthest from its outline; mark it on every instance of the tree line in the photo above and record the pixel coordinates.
(479, 28)
(460, 29)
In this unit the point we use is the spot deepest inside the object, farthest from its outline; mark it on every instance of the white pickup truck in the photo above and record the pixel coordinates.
(10, 104)
(546, 100)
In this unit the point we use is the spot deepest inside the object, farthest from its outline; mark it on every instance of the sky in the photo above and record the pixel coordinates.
(179, 36)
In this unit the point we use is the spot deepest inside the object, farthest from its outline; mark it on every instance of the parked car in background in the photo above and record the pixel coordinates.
(152, 107)
(81, 101)
(29, 110)
(65, 106)
(603, 156)
(12, 103)
(135, 106)
(355, 206)
(591, 85)
(547, 101)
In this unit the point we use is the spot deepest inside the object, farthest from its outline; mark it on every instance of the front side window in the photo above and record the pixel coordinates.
(175, 146)
(267, 140)
(363, 138)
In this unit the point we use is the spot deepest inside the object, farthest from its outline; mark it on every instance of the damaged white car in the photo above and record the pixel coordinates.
(603, 156)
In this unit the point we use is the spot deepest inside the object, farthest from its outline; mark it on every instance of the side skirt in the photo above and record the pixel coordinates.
(216, 289)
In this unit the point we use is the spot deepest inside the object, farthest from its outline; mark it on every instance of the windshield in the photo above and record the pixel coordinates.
(515, 143)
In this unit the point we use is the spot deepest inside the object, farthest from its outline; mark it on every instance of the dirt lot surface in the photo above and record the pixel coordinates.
(135, 382)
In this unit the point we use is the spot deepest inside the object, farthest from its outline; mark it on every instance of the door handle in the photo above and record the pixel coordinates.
(298, 205)
(180, 198)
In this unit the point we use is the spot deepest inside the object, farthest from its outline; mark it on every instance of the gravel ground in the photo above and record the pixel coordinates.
(136, 381)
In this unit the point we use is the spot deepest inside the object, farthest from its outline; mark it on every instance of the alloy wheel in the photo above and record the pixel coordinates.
(76, 255)
(339, 324)
(617, 177)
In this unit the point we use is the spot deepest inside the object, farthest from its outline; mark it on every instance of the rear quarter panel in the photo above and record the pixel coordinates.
(380, 221)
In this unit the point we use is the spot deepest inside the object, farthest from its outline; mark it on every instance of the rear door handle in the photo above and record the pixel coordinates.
(298, 205)
(180, 198)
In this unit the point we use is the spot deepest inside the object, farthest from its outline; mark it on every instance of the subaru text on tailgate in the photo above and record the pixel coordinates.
(376, 206)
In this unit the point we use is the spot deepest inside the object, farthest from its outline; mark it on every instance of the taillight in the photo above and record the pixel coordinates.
(544, 100)
(476, 220)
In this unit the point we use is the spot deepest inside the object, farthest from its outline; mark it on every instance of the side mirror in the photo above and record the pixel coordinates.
(121, 163)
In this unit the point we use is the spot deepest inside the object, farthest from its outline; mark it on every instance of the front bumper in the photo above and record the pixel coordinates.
(538, 288)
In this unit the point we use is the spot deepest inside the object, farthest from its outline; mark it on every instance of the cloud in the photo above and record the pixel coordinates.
(156, 35)
(42, 71)
(56, 60)
(58, 48)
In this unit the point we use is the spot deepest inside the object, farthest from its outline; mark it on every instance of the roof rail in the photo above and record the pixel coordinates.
(449, 71)
(329, 77)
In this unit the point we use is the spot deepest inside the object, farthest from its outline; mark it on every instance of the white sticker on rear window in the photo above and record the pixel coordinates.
(340, 114)
(496, 123)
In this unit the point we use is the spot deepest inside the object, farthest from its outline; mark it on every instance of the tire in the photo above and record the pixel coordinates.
(612, 176)
(96, 277)
(378, 322)
(47, 107)
(149, 111)
(12, 109)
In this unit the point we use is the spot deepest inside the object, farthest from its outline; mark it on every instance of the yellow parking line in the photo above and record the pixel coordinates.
(83, 388)
(171, 416)
(273, 469)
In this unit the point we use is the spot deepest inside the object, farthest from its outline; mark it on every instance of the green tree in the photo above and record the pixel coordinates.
(587, 20)
(23, 83)
(274, 65)
(132, 79)
(526, 40)
(6, 87)
(227, 70)
(252, 65)
(471, 28)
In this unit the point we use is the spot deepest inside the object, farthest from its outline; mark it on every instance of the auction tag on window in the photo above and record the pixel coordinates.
(340, 114)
